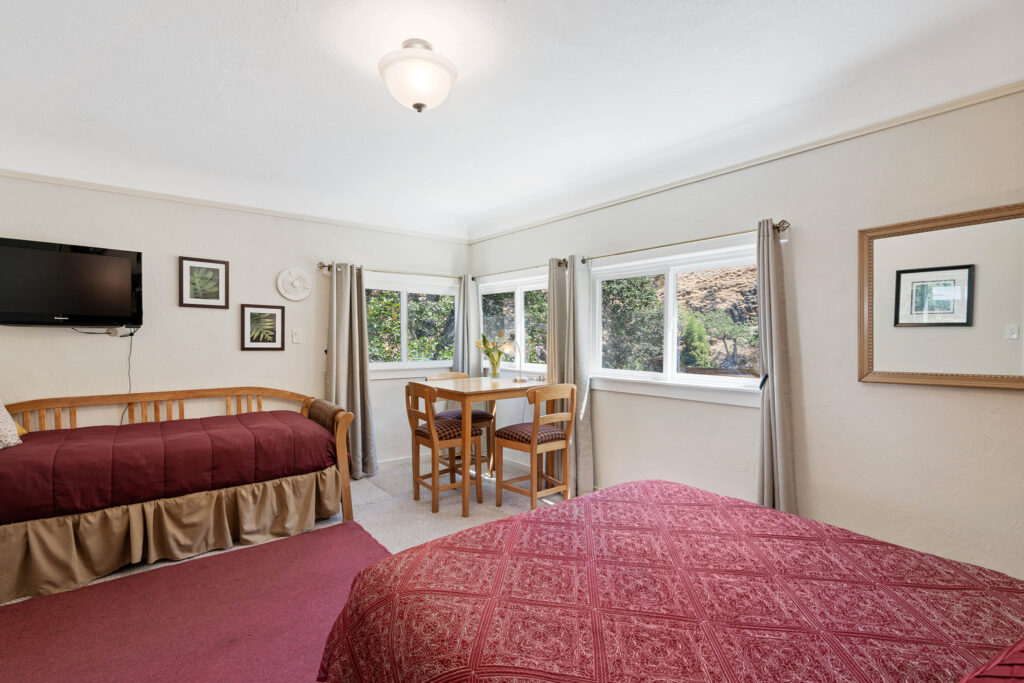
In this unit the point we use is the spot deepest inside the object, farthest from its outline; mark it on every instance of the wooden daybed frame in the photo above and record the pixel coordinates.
(59, 553)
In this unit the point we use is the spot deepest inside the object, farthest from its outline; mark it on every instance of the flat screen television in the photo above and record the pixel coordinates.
(42, 283)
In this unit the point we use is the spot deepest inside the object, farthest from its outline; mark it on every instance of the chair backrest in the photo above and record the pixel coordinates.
(416, 393)
(552, 395)
(447, 375)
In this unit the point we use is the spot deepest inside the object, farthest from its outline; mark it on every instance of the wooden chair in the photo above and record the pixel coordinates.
(483, 419)
(539, 438)
(436, 435)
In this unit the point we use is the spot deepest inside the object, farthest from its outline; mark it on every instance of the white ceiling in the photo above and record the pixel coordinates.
(277, 104)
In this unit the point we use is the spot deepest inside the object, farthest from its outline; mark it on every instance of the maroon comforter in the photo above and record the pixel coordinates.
(65, 471)
(654, 581)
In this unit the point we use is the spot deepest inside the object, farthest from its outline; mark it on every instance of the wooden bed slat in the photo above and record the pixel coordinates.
(248, 403)
(41, 419)
(73, 416)
(181, 409)
(57, 421)
(259, 402)
(156, 411)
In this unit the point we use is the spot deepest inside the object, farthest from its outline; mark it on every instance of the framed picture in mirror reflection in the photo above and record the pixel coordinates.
(934, 297)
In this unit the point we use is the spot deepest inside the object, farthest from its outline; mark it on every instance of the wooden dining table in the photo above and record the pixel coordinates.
(472, 390)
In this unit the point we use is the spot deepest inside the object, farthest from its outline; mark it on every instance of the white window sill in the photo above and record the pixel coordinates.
(722, 392)
(419, 370)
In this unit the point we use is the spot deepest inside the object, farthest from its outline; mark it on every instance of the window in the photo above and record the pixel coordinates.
(520, 310)
(632, 323)
(687, 318)
(384, 325)
(717, 321)
(431, 326)
(499, 314)
(410, 320)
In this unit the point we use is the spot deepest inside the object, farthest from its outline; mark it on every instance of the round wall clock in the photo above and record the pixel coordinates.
(294, 284)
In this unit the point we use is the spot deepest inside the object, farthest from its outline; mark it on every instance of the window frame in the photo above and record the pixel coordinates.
(404, 285)
(733, 252)
(519, 287)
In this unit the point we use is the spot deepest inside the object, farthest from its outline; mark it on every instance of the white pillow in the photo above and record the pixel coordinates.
(8, 430)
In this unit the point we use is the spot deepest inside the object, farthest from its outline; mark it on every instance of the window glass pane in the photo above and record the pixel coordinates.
(431, 326)
(384, 325)
(499, 315)
(633, 323)
(718, 321)
(535, 303)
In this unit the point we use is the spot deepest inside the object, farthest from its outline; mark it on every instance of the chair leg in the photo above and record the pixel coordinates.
(451, 465)
(498, 480)
(415, 470)
(479, 471)
(565, 472)
(490, 447)
(435, 457)
(533, 480)
(549, 463)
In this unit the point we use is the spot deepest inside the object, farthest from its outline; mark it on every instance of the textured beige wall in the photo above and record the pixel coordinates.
(935, 468)
(187, 347)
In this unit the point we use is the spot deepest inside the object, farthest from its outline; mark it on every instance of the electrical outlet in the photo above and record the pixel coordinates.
(296, 336)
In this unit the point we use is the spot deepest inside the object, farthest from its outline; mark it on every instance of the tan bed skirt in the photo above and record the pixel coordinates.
(60, 553)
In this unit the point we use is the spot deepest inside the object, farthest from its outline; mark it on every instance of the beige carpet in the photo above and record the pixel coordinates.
(383, 505)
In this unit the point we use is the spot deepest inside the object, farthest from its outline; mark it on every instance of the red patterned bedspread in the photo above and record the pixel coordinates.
(655, 581)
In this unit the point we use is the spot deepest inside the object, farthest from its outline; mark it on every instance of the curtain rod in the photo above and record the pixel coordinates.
(327, 266)
(561, 261)
(781, 226)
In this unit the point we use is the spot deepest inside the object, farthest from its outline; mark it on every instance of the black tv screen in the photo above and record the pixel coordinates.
(42, 283)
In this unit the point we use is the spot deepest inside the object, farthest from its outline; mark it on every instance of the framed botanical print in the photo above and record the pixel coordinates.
(262, 328)
(935, 296)
(202, 283)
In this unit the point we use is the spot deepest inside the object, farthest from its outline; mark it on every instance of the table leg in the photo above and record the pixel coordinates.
(467, 439)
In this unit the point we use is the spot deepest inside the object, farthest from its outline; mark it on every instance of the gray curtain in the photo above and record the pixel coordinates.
(776, 487)
(348, 363)
(466, 357)
(569, 359)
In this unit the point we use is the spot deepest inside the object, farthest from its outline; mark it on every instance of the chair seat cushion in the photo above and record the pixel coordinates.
(523, 431)
(446, 429)
(456, 414)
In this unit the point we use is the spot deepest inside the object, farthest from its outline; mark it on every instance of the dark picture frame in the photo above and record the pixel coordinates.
(930, 297)
(207, 284)
(262, 328)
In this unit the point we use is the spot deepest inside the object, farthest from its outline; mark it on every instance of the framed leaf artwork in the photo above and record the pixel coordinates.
(202, 283)
(262, 328)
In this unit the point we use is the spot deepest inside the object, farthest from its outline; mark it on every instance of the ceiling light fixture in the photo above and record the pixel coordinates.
(417, 76)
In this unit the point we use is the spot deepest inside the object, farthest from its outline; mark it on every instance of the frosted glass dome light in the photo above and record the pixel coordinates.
(417, 76)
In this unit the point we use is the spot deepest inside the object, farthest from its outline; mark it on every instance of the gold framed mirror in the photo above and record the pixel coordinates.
(941, 300)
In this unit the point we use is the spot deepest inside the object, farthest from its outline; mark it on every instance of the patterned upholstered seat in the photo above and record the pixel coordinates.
(456, 414)
(447, 429)
(524, 430)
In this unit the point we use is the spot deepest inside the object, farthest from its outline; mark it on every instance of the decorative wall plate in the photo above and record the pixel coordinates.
(294, 284)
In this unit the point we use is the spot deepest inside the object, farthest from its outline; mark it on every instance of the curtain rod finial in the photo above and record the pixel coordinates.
(781, 226)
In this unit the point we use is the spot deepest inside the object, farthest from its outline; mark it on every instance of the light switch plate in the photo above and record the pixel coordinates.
(1012, 332)
(296, 336)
